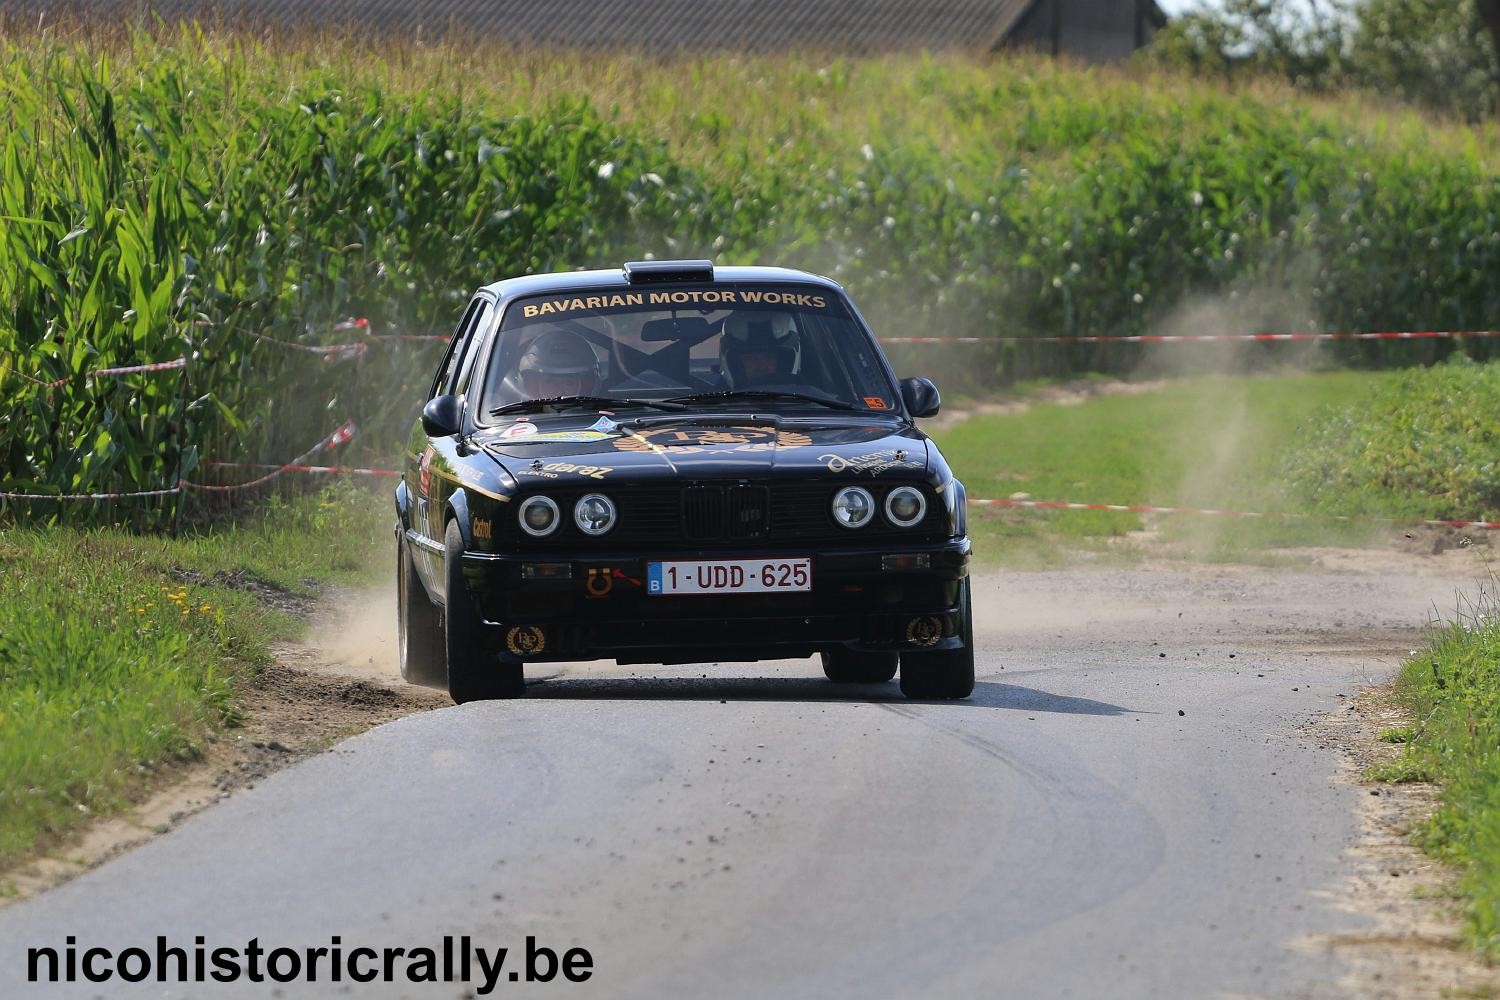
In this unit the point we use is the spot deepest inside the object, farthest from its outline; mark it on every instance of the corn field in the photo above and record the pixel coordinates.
(218, 203)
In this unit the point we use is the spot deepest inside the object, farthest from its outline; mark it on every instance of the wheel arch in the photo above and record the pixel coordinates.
(403, 506)
(956, 498)
(456, 508)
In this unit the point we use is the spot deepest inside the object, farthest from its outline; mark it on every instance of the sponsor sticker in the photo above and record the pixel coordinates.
(604, 425)
(521, 428)
(551, 470)
(563, 437)
(689, 440)
(699, 297)
(526, 640)
(874, 463)
(424, 473)
(876, 403)
(926, 631)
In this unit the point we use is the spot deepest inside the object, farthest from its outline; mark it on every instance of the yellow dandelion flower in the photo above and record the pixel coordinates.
(206, 608)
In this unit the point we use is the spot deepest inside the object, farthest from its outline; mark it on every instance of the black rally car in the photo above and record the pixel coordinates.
(676, 463)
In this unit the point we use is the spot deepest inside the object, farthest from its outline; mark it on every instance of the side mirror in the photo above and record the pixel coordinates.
(920, 396)
(442, 416)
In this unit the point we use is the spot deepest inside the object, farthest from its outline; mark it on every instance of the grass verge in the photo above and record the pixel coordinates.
(120, 653)
(1203, 442)
(1452, 692)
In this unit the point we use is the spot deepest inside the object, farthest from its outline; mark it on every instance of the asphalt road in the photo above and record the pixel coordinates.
(1131, 805)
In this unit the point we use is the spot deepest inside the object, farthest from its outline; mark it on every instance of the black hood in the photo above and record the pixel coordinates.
(706, 446)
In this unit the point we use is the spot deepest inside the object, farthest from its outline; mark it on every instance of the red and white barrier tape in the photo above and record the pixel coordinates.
(1199, 338)
(338, 437)
(89, 496)
(361, 323)
(329, 352)
(1147, 509)
(342, 435)
(346, 470)
(160, 366)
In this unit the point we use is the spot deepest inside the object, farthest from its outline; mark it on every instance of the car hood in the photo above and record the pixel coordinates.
(705, 446)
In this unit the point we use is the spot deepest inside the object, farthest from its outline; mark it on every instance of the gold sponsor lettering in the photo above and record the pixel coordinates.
(677, 297)
(526, 640)
(745, 439)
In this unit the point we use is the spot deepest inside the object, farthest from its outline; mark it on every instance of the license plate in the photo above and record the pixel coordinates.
(729, 576)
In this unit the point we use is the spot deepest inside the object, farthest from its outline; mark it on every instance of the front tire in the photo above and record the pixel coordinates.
(845, 666)
(945, 674)
(473, 674)
(419, 631)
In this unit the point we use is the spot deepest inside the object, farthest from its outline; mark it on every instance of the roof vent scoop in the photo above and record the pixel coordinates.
(649, 272)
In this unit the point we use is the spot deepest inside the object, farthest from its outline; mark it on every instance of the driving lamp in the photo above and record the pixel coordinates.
(594, 514)
(538, 516)
(853, 507)
(904, 506)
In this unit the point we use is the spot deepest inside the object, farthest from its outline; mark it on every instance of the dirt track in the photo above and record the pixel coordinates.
(1148, 795)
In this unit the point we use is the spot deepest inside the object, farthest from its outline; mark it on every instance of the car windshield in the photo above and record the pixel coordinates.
(777, 347)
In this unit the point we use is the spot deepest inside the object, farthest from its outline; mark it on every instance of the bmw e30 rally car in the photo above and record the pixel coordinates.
(673, 463)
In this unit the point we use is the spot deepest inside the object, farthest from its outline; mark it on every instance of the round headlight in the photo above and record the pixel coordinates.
(538, 516)
(905, 506)
(594, 514)
(853, 507)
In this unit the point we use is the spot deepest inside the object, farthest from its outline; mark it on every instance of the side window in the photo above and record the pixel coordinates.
(471, 347)
(456, 349)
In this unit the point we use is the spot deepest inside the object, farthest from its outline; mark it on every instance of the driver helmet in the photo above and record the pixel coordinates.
(759, 347)
(558, 363)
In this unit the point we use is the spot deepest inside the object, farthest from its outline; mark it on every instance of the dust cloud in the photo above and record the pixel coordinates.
(355, 634)
(1221, 430)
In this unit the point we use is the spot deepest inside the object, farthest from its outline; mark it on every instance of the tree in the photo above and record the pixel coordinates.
(1302, 42)
(1489, 13)
(1435, 52)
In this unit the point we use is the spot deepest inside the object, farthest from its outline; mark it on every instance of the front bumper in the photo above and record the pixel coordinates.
(601, 608)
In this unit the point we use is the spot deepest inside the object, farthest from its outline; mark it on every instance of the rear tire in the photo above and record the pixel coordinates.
(419, 630)
(473, 674)
(945, 674)
(846, 666)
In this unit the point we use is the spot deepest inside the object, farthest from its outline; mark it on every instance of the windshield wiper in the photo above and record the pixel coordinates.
(564, 402)
(801, 397)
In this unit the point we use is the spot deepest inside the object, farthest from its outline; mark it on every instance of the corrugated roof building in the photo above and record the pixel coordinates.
(1090, 29)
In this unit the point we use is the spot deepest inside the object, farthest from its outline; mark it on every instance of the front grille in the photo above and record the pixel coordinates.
(703, 513)
(708, 515)
(713, 513)
(749, 511)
